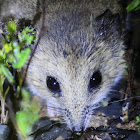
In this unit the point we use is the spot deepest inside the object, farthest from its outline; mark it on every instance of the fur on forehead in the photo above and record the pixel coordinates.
(71, 33)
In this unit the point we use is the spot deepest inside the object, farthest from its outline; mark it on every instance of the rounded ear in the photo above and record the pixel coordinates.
(109, 25)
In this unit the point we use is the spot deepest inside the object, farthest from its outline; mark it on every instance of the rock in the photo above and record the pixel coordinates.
(4, 132)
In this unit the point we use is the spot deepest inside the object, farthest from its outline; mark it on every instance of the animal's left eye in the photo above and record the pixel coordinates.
(95, 80)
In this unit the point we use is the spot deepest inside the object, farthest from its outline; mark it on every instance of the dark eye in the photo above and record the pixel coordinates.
(52, 84)
(95, 80)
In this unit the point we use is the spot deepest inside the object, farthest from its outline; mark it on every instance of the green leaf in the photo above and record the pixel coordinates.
(18, 89)
(11, 27)
(7, 73)
(17, 52)
(28, 115)
(6, 92)
(7, 48)
(137, 119)
(30, 39)
(2, 54)
(22, 58)
(126, 72)
(20, 37)
(25, 94)
(134, 4)
(10, 58)
(23, 123)
(27, 36)
(138, 8)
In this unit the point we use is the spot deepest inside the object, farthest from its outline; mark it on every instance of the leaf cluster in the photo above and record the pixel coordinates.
(15, 51)
(14, 55)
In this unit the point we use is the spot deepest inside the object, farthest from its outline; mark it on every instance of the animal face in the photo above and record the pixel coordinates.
(78, 60)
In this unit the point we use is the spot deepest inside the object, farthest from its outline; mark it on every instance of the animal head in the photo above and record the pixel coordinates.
(78, 59)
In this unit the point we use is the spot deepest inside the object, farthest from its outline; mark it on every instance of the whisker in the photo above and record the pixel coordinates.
(99, 105)
(54, 107)
(114, 91)
(125, 99)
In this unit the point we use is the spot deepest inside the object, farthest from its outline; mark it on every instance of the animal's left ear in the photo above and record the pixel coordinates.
(109, 25)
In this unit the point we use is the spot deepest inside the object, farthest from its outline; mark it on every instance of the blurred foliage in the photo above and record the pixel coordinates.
(138, 122)
(134, 5)
(28, 115)
(13, 55)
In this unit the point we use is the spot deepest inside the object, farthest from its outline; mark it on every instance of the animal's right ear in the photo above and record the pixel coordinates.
(109, 24)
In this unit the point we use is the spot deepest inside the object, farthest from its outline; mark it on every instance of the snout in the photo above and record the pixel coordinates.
(77, 120)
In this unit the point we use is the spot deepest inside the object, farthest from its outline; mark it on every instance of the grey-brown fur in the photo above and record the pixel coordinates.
(74, 45)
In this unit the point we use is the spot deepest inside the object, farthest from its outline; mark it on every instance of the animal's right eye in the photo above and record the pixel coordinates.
(52, 84)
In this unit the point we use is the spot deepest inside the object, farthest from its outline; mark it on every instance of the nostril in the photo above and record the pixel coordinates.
(77, 129)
